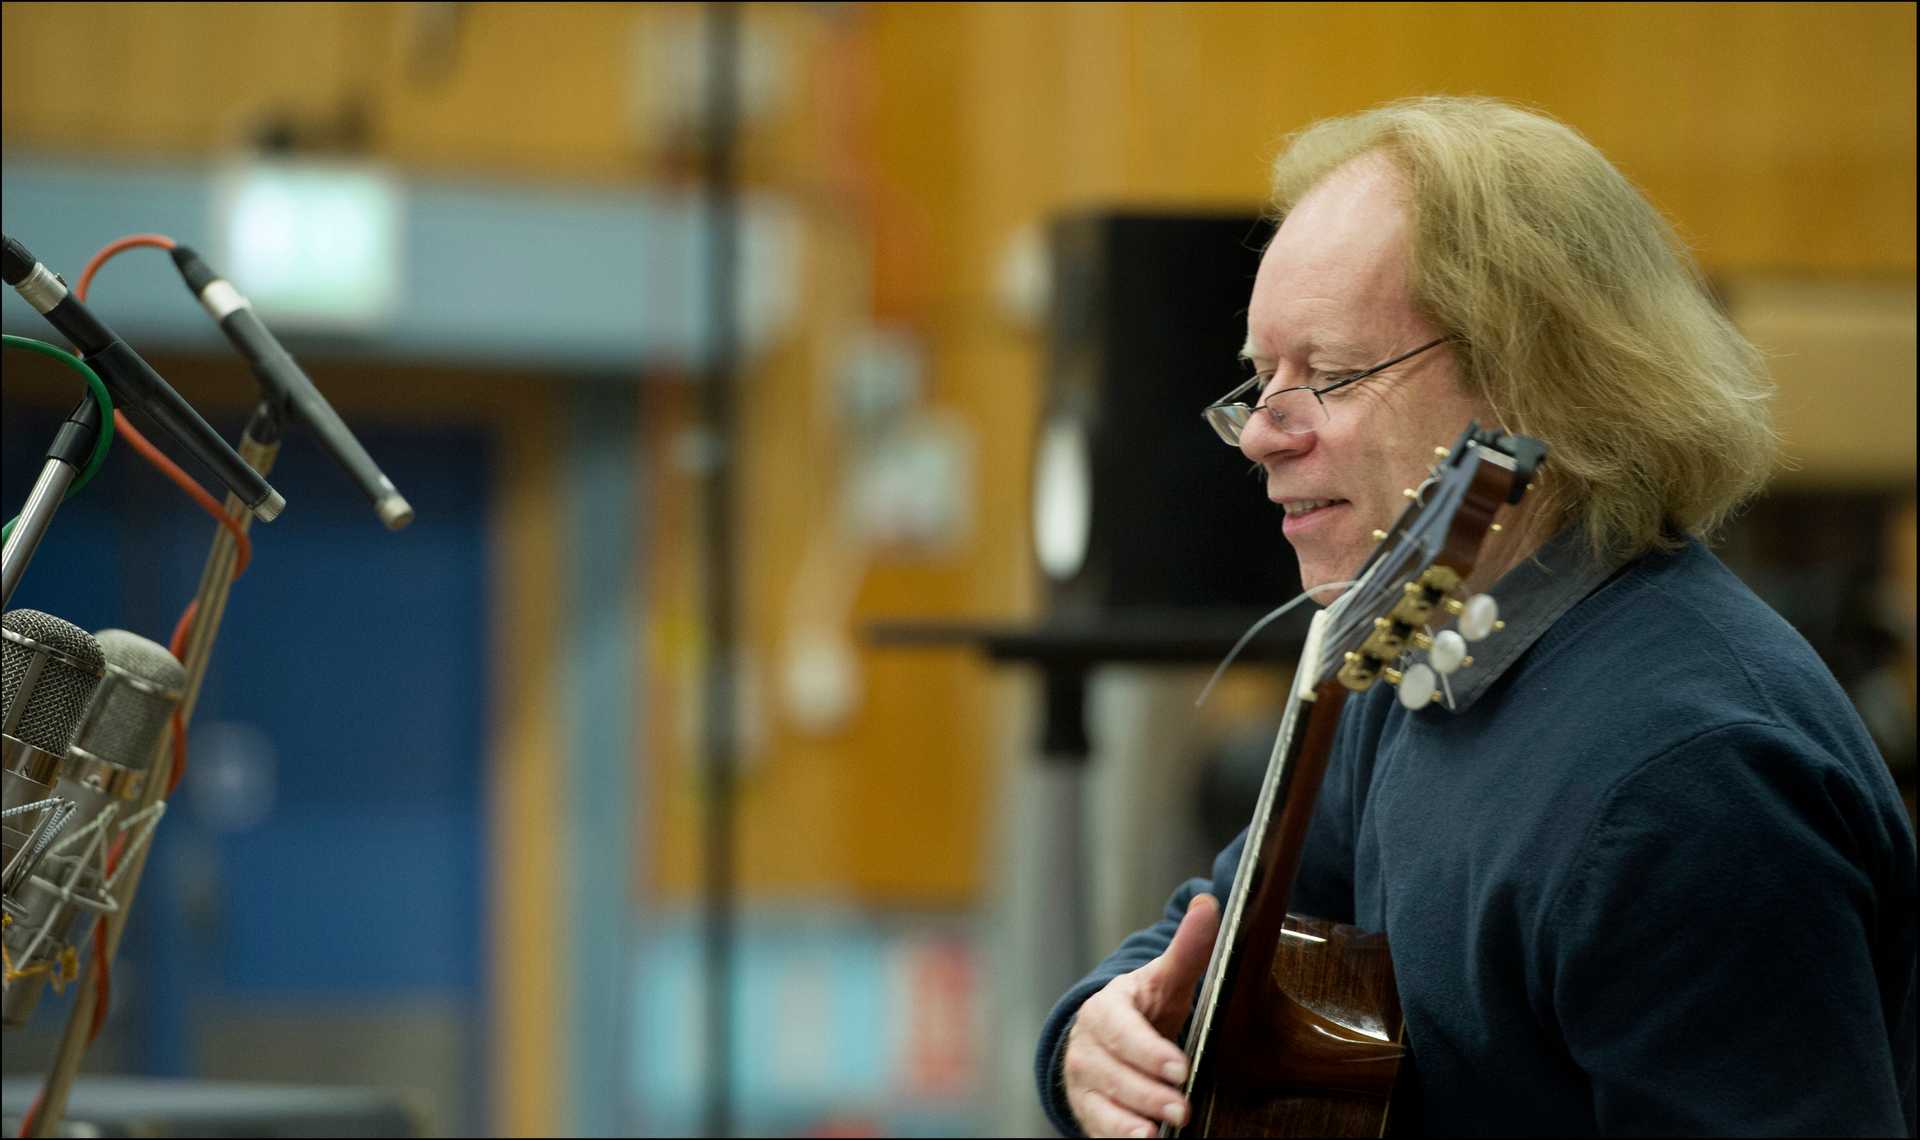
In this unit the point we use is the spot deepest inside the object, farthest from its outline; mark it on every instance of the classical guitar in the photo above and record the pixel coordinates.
(1297, 1029)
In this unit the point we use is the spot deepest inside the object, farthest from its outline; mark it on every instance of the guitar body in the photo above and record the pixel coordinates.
(1318, 1054)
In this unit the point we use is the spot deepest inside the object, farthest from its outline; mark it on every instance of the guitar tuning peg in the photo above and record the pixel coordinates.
(1379, 536)
(1449, 652)
(1416, 687)
(1410, 493)
(1495, 527)
(1441, 452)
(1480, 617)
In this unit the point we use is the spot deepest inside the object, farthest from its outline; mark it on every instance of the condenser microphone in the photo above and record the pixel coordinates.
(106, 767)
(133, 381)
(49, 669)
(288, 384)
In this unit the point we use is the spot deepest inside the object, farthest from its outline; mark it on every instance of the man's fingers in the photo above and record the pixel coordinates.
(1169, 979)
(1100, 1116)
(1097, 1071)
(1121, 1029)
(1186, 957)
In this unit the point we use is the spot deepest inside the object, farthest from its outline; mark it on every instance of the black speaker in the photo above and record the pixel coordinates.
(1138, 506)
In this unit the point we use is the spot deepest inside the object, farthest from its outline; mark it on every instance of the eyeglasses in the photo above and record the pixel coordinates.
(1296, 411)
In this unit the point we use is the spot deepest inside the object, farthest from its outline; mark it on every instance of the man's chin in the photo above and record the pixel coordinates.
(1327, 594)
(1323, 588)
(1327, 569)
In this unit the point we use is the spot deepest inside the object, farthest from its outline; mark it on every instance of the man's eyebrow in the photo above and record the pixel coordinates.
(1325, 342)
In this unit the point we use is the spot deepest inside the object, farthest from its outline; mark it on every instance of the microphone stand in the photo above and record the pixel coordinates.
(720, 708)
(65, 458)
(259, 446)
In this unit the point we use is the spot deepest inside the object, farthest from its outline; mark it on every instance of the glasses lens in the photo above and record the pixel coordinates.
(1296, 411)
(1227, 420)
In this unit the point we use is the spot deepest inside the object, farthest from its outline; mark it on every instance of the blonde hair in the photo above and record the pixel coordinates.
(1574, 310)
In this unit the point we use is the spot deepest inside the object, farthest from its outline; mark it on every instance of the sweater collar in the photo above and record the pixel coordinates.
(1532, 596)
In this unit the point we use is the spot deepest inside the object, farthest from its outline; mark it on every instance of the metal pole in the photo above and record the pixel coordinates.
(258, 447)
(24, 539)
(720, 702)
(71, 445)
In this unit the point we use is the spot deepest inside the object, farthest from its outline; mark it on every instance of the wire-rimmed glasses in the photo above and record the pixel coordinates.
(1296, 411)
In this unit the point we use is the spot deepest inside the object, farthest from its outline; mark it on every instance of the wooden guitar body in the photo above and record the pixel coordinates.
(1318, 1053)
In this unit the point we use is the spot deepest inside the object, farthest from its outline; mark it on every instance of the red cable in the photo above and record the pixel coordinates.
(152, 454)
(242, 545)
(131, 241)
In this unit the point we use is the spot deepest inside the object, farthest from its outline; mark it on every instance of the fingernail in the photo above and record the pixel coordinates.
(1175, 1114)
(1174, 1071)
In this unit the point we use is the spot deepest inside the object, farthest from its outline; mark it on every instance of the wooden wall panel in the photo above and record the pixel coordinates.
(920, 141)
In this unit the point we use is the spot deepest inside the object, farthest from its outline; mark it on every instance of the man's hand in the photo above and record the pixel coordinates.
(1122, 1071)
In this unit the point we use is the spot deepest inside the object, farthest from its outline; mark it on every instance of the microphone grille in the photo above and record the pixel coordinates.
(129, 712)
(74, 663)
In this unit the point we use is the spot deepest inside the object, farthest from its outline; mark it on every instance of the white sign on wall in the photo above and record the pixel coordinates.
(312, 245)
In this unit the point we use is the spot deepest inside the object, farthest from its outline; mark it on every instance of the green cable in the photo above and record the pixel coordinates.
(99, 388)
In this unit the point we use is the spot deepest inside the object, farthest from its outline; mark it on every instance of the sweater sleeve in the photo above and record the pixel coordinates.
(1762, 1020)
(1139, 948)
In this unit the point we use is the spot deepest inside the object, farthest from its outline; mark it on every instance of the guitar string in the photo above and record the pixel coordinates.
(1257, 626)
(1347, 633)
(1227, 938)
(1223, 950)
(1225, 947)
(1426, 550)
(1380, 589)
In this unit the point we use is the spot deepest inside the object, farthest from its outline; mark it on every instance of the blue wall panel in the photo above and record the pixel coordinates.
(361, 657)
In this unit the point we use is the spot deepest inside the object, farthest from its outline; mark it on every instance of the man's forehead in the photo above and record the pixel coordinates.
(1354, 220)
(1337, 261)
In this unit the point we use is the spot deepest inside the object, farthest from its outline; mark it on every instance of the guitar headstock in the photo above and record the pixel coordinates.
(1416, 570)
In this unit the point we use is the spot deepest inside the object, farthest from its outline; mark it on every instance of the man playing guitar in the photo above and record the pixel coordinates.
(1641, 868)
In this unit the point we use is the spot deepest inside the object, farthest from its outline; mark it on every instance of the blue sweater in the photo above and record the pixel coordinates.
(1650, 877)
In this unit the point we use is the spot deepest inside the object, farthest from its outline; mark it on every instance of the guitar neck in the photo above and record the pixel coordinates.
(1251, 925)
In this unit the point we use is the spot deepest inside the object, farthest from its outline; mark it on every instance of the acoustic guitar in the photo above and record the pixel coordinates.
(1297, 1029)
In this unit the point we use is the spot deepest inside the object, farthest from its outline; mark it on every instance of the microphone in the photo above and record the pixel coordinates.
(48, 671)
(133, 380)
(106, 766)
(287, 383)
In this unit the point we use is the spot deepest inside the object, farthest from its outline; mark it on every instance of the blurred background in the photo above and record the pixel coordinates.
(446, 828)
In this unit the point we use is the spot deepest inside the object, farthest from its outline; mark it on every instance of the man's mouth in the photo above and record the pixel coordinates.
(1305, 515)
(1296, 508)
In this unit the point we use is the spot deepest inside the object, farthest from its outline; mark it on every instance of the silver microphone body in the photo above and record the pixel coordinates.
(49, 669)
(106, 766)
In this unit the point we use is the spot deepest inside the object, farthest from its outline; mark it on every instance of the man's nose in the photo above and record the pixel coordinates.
(1260, 441)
